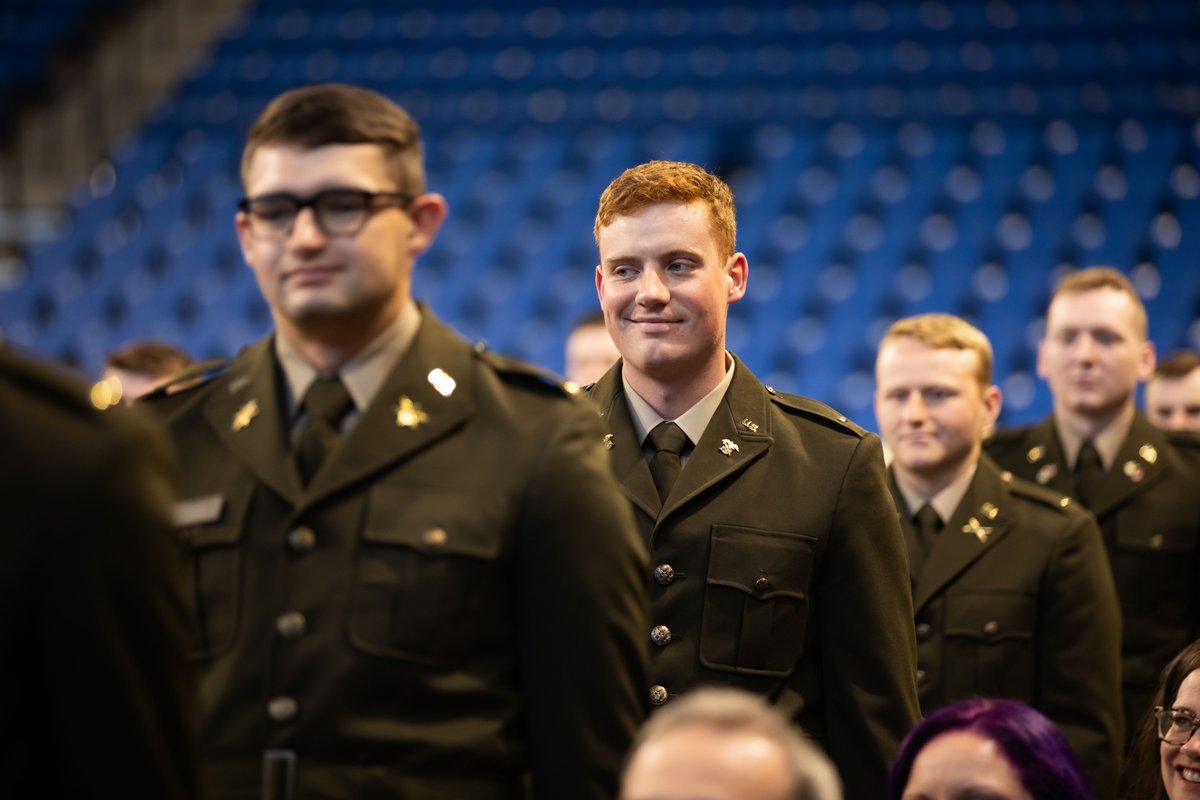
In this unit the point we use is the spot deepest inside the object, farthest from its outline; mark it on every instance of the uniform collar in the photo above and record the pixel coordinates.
(694, 421)
(362, 375)
(1108, 441)
(945, 502)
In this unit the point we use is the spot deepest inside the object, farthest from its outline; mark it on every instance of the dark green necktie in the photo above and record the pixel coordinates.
(929, 525)
(669, 441)
(326, 402)
(1089, 474)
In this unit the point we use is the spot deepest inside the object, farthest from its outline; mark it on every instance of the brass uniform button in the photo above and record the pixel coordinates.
(1156, 541)
(664, 574)
(658, 695)
(660, 635)
(435, 537)
(282, 709)
(991, 627)
(920, 675)
(924, 631)
(291, 624)
(762, 584)
(301, 540)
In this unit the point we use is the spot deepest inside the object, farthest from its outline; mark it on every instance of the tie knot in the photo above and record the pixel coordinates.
(1089, 457)
(669, 437)
(928, 519)
(327, 400)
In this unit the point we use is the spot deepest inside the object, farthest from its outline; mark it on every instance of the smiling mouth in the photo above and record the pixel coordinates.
(306, 274)
(1190, 775)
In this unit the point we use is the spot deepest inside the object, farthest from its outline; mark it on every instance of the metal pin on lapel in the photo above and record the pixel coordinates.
(1134, 471)
(608, 441)
(410, 414)
(442, 382)
(752, 426)
(728, 447)
(244, 416)
(981, 532)
(1046, 473)
(1149, 453)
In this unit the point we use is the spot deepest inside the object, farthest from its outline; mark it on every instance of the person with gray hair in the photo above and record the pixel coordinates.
(725, 744)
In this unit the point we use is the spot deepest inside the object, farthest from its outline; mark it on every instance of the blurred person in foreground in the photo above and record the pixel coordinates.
(97, 697)
(726, 744)
(1138, 480)
(779, 567)
(589, 351)
(986, 750)
(1173, 394)
(1011, 585)
(416, 574)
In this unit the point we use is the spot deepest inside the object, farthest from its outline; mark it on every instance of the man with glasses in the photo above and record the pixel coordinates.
(414, 575)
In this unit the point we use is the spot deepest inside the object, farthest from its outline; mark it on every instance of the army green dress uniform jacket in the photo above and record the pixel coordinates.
(779, 568)
(455, 601)
(1015, 600)
(97, 697)
(1149, 514)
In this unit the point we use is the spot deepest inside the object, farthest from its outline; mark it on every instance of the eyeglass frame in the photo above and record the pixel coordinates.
(371, 200)
(1161, 713)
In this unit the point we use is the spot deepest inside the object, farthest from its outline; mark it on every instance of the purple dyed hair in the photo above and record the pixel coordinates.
(1031, 744)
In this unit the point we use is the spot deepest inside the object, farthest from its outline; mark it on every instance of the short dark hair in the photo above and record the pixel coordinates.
(592, 319)
(337, 113)
(149, 357)
(1180, 364)
(1143, 777)
(1033, 747)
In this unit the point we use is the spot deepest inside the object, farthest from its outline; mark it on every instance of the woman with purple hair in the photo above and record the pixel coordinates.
(1164, 763)
(997, 749)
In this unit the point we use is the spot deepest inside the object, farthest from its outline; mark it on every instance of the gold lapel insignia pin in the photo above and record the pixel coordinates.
(244, 416)
(608, 441)
(1035, 454)
(981, 532)
(751, 426)
(728, 447)
(410, 414)
(1134, 471)
(1149, 453)
(1046, 473)
(989, 510)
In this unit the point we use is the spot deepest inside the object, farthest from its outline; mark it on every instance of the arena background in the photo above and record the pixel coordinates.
(888, 158)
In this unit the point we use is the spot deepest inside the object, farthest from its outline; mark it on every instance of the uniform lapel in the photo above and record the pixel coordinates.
(247, 415)
(428, 394)
(981, 520)
(738, 434)
(1049, 462)
(915, 554)
(1136, 468)
(621, 439)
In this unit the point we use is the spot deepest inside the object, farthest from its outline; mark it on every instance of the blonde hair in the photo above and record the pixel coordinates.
(946, 331)
(730, 710)
(1093, 278)
(671, 182)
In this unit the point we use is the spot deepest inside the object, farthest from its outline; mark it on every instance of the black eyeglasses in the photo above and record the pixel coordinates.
(1175, 725)
(338, 212)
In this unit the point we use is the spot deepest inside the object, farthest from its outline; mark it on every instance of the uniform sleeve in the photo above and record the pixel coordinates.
(868, 642)
(115, 634)
(1079, 653)
(584, 616)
